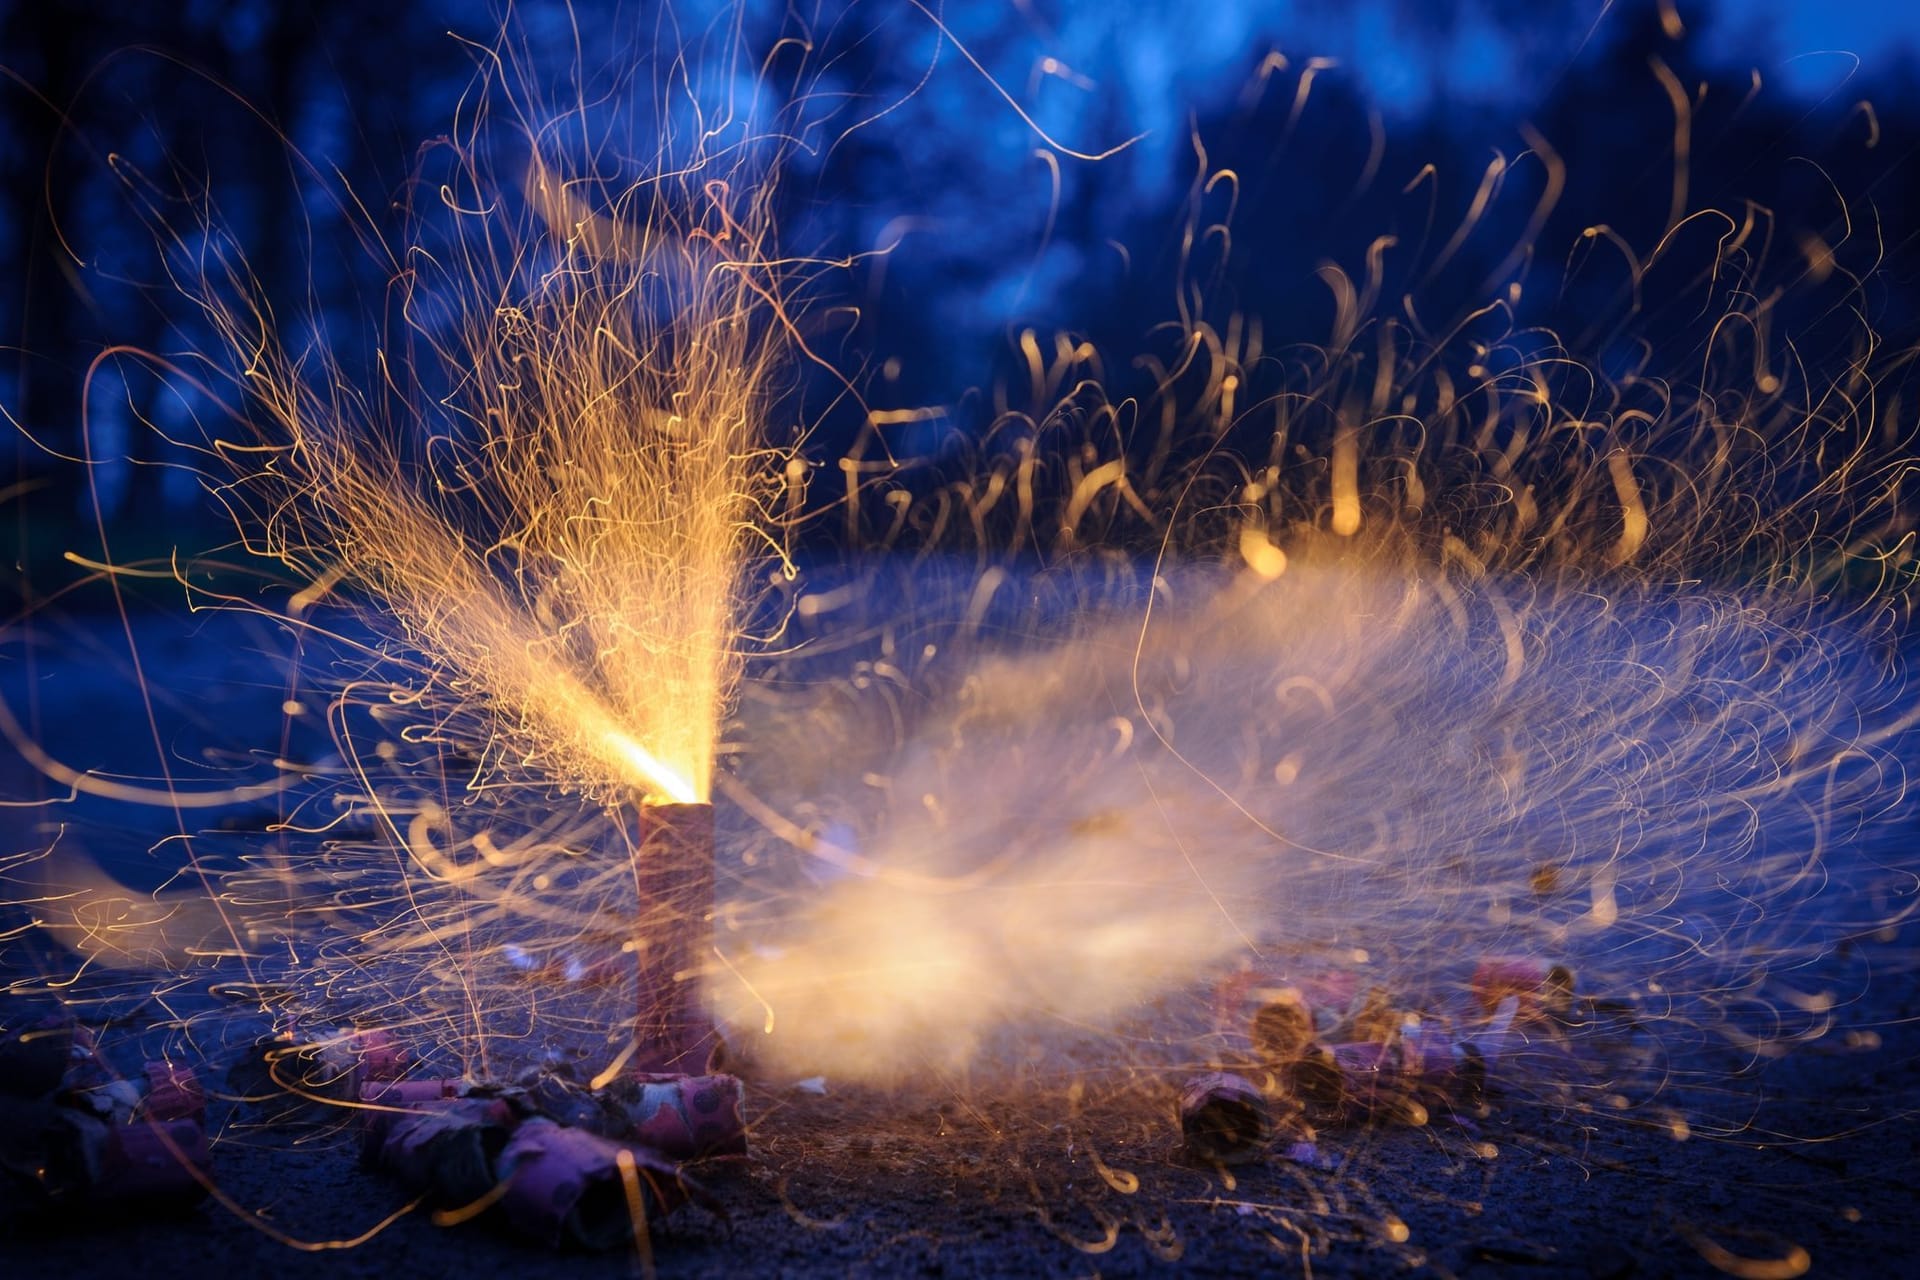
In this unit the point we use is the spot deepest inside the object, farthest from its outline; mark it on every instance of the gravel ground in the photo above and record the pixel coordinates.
(933, 1185)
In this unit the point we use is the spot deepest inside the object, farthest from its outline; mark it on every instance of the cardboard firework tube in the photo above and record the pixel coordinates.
(1369, 1073)
(386, 1103)
(1502, 1045)
(174, 1093)
(565, 1103)
(687, 1117)
(410, 1093)
(1432, 1060)
(673, 871)
(154, 1162)
(1542, 989)
(1357, 1077)
(1225, 1118)
(1316, 1077)
(1282, 1030)
(1492, 1042)
(39, 1059)
(339, 1062)
(448, 1150)
(379, 1054)
(565, 1186)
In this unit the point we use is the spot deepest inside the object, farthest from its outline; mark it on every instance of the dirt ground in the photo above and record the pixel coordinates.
(937, 1185)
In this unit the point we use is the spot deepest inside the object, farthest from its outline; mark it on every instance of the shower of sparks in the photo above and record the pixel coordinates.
(555, 494)
(1373, 658)
(1390, 654)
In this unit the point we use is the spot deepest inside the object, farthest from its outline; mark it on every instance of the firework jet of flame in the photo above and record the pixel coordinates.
(568, 549)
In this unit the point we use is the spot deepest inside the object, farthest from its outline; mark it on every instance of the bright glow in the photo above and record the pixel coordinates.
(649, 773)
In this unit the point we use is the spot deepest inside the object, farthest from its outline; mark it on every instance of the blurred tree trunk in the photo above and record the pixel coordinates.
(43, 336)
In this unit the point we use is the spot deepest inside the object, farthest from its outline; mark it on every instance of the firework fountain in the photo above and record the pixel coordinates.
(1344, 730)
(569, 554)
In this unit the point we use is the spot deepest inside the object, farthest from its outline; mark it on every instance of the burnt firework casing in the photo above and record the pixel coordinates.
(174, 1093)
(1542, 989)
(566, 1187)
(1225, 1118)
(1353, 1076)
(447, 1150)
(153, 1162)
(385, 1103)
(1282, 1030)
(1431, 1059)
(674, 877)
(40, 1058)
(335, 1063)
(686, 1117)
